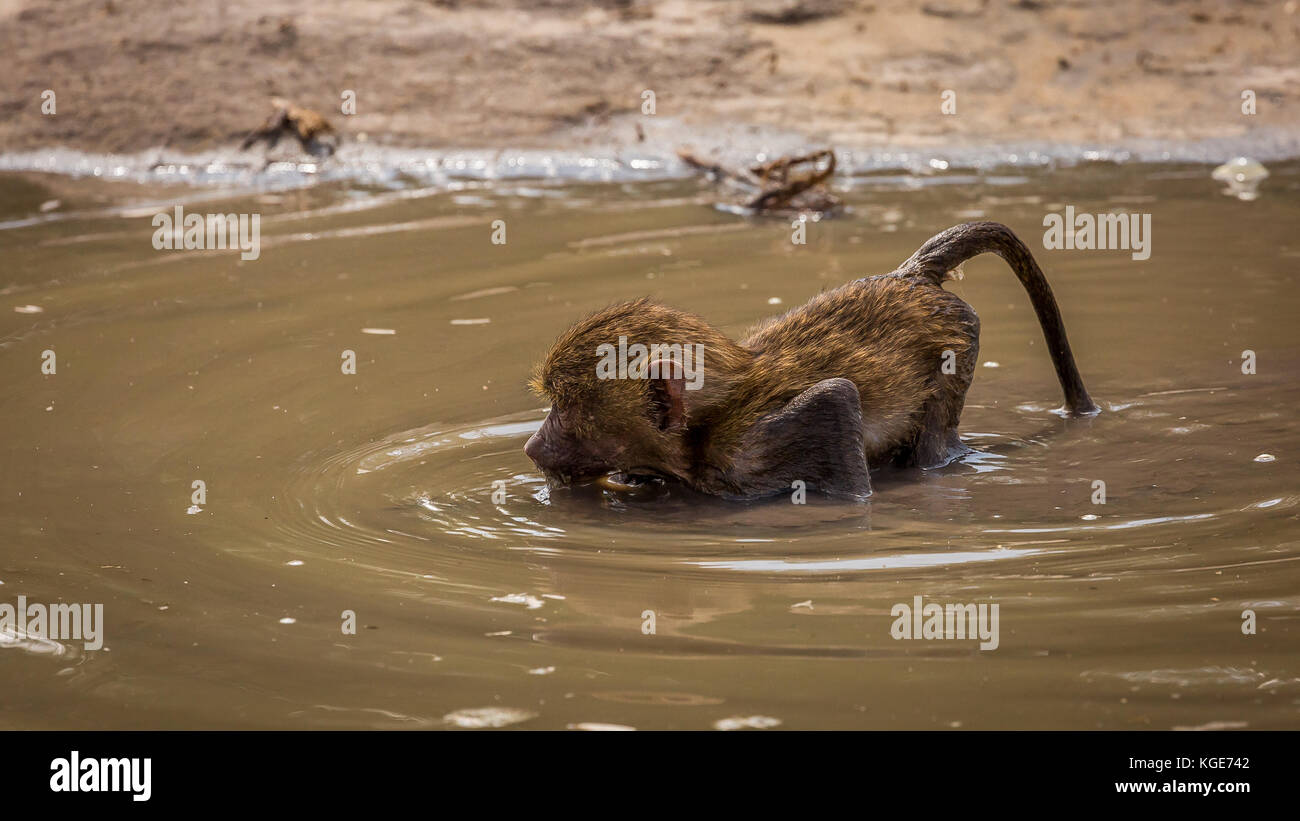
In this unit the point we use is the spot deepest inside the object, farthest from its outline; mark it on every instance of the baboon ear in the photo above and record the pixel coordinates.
(667, 389)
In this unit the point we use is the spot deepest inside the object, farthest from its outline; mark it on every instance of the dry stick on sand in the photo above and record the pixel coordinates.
(778, 181)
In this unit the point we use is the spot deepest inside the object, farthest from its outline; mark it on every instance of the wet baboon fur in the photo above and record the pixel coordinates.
(889, 335)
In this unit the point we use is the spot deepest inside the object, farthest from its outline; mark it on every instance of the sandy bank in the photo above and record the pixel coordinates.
(194, 75)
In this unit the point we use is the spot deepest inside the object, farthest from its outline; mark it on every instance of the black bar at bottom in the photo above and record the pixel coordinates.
(492, 771)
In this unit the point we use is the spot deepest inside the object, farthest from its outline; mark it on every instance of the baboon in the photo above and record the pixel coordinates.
(314, 133)
(872, 372)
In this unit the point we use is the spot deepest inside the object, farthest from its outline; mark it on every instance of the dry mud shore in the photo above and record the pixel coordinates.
(194, 75)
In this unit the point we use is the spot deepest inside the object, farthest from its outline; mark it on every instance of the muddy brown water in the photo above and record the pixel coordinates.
(373, 492)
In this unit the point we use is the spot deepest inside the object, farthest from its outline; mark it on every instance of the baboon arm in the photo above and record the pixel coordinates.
(816, 438)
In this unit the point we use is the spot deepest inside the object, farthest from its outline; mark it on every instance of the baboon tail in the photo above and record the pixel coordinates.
(945, 251)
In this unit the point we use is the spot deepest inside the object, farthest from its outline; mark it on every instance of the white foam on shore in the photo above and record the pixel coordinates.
(401, 168)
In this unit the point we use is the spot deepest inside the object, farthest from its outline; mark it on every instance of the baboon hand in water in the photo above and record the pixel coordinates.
(873, 372)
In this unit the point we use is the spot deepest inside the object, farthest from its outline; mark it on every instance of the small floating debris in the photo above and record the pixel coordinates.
(541, 671)
(1242, 177)
(192, 509)
(1211, 726)
(746, 723)
(1089, 517)
(775, 300)
(526, 599)
(482, 321)
(50, 205)
(598, 727)
(28, 309)
(657, 698)
(294, 563)
(503, 289)
(478, 718)
(379, 331)
(992, 365)
(22, 640)
(785, 186)
(1266, 457)
(288, 620)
